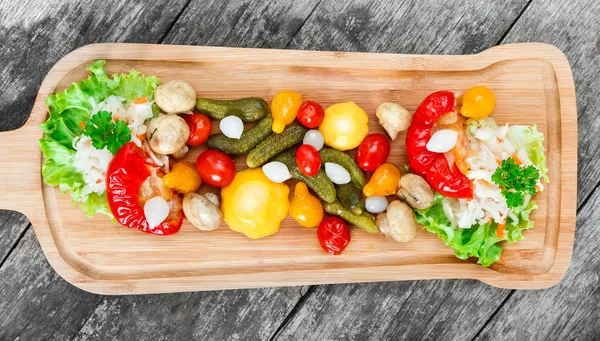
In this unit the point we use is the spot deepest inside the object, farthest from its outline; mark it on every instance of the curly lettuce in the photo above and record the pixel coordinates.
(480, 241)
(531, 140)
(66, 112)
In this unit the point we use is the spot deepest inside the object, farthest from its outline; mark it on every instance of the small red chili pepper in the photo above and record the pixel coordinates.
(308, 159)
(334, 235)
(125, 175)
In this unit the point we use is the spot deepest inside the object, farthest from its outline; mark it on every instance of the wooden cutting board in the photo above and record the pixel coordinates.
(533, 84)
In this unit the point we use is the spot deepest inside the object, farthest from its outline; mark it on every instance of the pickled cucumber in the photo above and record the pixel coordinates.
(364, 221)
(350, 197)
(250, 109)
(250, 139)
(319, 183)
(275, 144)
(357, 177)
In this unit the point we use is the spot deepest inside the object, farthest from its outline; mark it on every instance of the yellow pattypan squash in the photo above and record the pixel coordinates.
(253, 204)
(345, 126)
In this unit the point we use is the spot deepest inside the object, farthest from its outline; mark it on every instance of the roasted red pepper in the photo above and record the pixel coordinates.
(124, 178)
(434, 166)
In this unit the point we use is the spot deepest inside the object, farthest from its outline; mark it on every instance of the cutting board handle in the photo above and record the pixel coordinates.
(20, 168)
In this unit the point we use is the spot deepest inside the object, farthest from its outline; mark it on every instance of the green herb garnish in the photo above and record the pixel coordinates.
(515, 181)
(106, 133)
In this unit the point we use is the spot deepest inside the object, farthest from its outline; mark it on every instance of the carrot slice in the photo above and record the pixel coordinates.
(140, 100)
(517, 160)
(500, 230)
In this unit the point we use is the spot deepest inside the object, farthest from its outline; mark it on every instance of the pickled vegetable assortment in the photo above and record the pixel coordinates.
(468, 180)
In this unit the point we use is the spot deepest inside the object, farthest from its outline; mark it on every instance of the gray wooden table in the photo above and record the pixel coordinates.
(36, 304)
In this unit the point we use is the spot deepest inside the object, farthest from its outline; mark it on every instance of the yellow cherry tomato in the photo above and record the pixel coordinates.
(305, 208)
(478, 102)
(253, 204)
(184, 178)
(284, 108)
(384, 181)
(345, 126)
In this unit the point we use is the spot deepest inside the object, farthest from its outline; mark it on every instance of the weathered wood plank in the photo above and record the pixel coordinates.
(410, 310)
(246, 23)
(419, 27)
(238, 315)
(573, 26)
(12, 225)
(436, 310)
(37, 304)
(568, 310)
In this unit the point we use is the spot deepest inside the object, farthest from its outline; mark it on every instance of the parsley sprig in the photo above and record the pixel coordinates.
(515, 181)
(106, 133)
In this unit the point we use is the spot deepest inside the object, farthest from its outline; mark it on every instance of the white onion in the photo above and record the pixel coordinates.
(314, 138)
(156, 211)
(376, 204)
(232, 127)
(442, 141)
(336, 173)
(276, 171)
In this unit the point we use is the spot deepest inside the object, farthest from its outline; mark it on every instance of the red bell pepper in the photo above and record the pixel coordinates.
(124, 178)
(430, 165)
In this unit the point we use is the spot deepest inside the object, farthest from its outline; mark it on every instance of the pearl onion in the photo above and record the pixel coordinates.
(232, 127)
(336, 173)
(314, 138)
(276, 171)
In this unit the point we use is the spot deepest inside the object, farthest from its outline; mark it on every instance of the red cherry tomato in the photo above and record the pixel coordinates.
(434, 166)
(372, 152)
(311, 114)
(334, 235)
(200, 128)
(215, 168)
(308, 159)
(125, 175)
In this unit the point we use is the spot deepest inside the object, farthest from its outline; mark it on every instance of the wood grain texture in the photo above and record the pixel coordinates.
(573, 26)
(244, 23)
(424, 310)
(419, 27)
(566, 311)
(36, 303)
(88, 254)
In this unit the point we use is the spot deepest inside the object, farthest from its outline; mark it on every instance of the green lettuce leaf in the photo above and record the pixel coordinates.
(66, 112)
(58, 170)
(67, 109)
(480, 241)
(530, 139)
